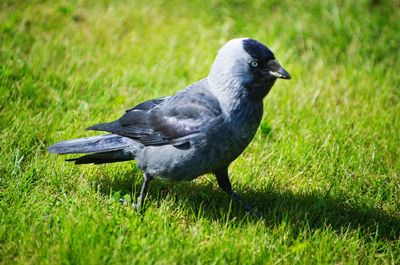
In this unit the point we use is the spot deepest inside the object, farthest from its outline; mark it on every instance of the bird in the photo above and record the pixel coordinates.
(201, 129)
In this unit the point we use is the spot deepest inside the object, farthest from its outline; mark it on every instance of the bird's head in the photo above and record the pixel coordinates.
(249, 65)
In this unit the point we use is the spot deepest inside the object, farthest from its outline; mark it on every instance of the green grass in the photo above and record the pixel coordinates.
(324, 169)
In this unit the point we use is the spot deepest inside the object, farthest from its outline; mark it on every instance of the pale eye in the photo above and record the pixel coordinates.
(254, 64)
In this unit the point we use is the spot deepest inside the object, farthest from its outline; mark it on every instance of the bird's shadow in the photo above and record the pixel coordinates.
(312, 210)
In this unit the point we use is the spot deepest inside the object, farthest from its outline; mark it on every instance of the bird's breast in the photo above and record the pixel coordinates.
(239, 129)
(244, 122)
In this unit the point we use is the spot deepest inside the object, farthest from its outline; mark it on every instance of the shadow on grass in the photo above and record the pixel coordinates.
(311, 210)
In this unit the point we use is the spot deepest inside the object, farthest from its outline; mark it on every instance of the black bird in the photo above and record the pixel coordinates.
(199, 130)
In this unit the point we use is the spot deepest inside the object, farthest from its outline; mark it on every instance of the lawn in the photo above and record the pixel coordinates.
(323, 169)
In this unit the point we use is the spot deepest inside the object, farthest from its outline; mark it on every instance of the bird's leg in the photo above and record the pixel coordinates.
(225, 184)
(143, 192)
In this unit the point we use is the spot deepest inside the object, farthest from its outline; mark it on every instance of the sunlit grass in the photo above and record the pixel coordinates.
(323, 169)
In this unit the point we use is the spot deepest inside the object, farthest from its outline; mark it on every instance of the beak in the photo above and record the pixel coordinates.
(278, 71)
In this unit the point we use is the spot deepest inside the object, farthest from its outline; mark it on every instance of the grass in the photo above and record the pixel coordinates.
(324, 168)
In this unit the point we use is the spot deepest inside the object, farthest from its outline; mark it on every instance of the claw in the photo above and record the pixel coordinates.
(123, 201)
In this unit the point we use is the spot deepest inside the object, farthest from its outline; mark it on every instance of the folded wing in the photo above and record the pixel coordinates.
(170, 120)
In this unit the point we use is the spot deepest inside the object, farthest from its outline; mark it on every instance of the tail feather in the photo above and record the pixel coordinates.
(95, 144)
(107, 148)
(102, 158)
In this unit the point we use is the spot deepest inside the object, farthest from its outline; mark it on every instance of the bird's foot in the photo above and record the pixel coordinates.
(253, 212)
(250, 210)
(137, 206)
(123, 201)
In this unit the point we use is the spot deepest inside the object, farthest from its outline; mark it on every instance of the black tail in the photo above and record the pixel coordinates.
(104, 148)
(102, 158)
(95, 144)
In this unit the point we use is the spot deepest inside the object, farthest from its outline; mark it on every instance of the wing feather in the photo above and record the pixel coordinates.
(169, 120)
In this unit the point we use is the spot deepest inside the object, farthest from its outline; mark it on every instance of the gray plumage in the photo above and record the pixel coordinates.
(201, 129)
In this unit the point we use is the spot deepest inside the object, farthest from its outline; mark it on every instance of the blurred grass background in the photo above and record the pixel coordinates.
(323, 169)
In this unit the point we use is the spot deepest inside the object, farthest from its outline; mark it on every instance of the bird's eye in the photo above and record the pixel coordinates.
(254, 64)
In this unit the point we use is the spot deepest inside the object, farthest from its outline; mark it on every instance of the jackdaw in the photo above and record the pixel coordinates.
(199, 130)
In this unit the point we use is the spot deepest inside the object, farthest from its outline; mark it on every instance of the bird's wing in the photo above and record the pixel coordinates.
(171, 120)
